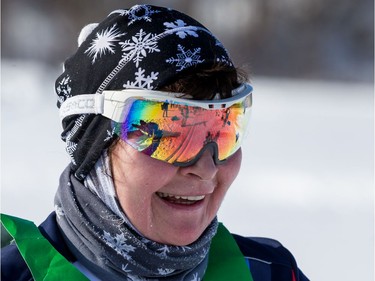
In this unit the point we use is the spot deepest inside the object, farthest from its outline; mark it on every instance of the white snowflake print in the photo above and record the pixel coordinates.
(179, 27)
(142, 81)
(141, 44)
(163, 251)
(204, 253)
(224, 59)
(72, 146)
(59, 211)
(125, 268)
(137, 12)
(186, 58)
(104, 42)
(118, 243)
(64, 88)
(165, 271)
(195, 277)
(110, 134)
(184, 248)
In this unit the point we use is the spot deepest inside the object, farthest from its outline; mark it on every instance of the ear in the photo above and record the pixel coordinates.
(86, 31)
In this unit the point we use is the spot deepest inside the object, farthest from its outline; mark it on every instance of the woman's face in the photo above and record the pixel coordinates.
(168, 204)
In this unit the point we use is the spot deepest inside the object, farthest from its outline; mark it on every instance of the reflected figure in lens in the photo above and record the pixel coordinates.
(148, 135)
(164, 107)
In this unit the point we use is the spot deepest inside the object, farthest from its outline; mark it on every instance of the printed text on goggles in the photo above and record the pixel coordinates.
(169, 128)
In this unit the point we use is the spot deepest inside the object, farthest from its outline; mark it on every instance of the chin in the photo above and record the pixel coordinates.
(183, 240)
(182, 237)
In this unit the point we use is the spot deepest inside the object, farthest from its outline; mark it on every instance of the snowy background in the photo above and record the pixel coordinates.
(307, 177)
(306, 180)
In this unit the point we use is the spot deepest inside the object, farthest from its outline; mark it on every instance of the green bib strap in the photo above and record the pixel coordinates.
(225, 261)
(43, 260)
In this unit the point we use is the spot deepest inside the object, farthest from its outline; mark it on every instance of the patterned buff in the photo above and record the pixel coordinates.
(113, 250)
(142, 47)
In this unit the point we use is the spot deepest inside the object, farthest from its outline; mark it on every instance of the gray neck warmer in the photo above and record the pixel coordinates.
(104, 241)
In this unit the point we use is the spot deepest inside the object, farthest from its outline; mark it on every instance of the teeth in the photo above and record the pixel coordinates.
(189, 198)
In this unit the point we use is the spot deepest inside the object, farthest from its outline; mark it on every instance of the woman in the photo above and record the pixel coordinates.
(154, 113)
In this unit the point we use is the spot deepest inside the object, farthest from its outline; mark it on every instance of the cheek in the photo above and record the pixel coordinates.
(226, 175)
(136, 172)
(230, 169)
(152, 172)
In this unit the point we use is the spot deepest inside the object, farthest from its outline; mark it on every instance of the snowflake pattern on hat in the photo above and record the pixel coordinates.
(141, 81)
(142, 43)
(104, 42)
(178, 24)
(186, 58)
(137, 12)
(141, 47)
(63, 89)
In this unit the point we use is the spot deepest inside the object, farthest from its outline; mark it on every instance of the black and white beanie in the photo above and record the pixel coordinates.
(141, 47)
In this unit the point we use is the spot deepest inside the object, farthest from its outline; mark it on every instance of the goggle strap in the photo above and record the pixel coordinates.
(82, 104)
(92, 104)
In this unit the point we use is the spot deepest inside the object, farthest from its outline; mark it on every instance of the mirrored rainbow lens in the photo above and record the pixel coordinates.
(176, 133)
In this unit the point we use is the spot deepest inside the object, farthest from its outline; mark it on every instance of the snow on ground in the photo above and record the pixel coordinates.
(306, 180)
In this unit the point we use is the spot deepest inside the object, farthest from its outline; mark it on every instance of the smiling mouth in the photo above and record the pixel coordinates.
(176, 199)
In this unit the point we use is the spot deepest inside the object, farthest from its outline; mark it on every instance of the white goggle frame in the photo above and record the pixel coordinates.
(111, 103)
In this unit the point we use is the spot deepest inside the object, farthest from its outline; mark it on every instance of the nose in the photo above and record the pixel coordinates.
(204, 168)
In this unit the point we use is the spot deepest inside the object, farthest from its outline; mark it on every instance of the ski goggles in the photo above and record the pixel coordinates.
(169, 127)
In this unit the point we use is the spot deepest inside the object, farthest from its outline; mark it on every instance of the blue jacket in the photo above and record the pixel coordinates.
(268, 260)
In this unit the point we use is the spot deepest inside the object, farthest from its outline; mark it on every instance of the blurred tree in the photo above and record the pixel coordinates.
(326, 39)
